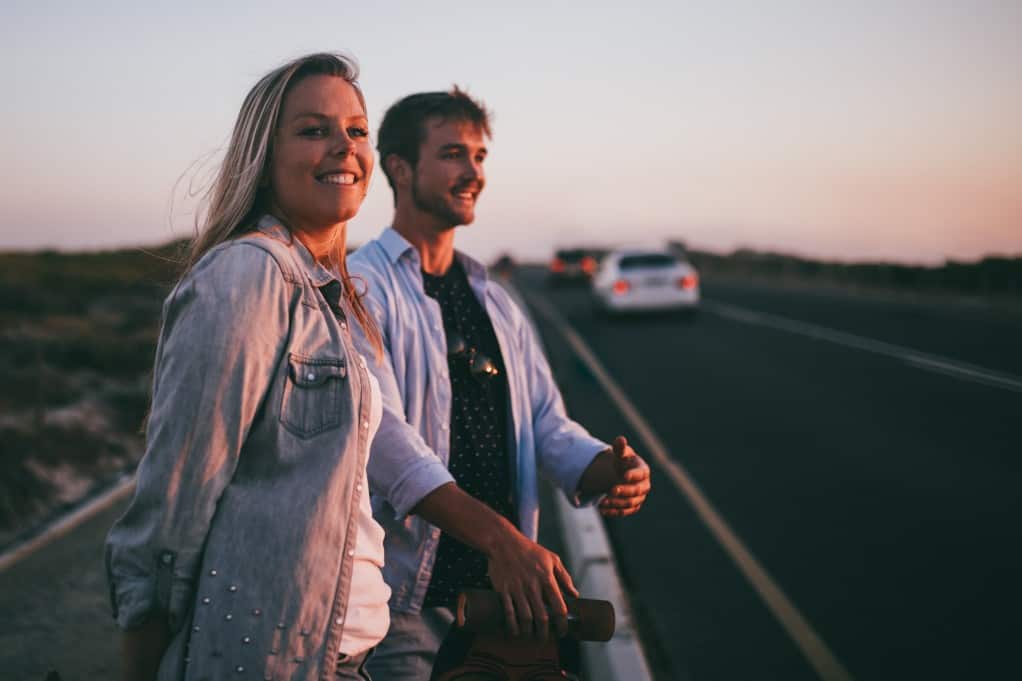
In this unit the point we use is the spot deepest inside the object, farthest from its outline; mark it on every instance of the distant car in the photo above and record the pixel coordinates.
(646, 280)
(573, 265)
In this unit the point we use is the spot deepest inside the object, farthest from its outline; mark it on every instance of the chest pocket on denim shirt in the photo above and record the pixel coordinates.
(313, 395)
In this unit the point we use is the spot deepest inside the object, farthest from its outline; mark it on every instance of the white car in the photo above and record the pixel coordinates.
(645, 279)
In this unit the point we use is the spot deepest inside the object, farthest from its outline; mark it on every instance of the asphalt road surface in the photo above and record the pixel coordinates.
(880, 494)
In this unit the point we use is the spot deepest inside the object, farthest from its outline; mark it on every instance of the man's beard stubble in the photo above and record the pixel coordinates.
(436, 207)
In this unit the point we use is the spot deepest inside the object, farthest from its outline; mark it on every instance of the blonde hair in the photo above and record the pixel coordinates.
(239, 195)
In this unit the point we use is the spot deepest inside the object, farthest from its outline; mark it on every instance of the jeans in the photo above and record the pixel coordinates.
(408, 650)
(353, 667)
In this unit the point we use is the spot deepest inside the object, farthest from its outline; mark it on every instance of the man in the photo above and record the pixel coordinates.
(471, 412)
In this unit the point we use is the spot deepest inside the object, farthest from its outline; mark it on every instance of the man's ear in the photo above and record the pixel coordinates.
(399, 170)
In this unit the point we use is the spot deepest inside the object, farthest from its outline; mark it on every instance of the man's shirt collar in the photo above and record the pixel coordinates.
(395, 246)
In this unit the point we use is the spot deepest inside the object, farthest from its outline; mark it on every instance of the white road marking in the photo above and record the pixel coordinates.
(915, 358)
(794, 623)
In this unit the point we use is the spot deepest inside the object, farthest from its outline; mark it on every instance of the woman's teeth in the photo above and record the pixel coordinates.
(338, 178)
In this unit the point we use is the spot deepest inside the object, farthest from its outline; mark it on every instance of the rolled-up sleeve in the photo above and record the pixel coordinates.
(564, 449)
(224, 329)
(402, 467)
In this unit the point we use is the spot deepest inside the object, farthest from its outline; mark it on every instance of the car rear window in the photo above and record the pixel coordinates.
(647, 261)
(571, 255)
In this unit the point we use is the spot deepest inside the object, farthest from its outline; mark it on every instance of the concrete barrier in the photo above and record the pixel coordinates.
(591, 563)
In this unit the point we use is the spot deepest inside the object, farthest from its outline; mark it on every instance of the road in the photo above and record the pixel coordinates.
(879, 495)
(56, 609)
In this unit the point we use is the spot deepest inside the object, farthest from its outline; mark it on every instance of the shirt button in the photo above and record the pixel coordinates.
(344, 325)
(443, 426)
(365, 424)
(351, 552)
(358, 487)
(311, 376)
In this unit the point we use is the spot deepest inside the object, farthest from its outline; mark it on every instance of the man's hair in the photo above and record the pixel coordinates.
(403, 129)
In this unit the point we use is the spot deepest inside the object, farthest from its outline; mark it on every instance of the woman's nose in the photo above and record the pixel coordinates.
(343, 144)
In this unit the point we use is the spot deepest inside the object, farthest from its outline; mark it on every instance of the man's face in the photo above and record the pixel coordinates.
(449, 176)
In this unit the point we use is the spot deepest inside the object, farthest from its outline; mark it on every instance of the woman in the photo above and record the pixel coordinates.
(249, 549)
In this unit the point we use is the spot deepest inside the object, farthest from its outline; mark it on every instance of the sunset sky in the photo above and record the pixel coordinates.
(880, 130)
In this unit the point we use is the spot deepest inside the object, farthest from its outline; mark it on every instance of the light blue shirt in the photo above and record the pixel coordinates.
(409, 455)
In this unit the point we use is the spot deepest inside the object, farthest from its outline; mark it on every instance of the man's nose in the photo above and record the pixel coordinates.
(474, 171)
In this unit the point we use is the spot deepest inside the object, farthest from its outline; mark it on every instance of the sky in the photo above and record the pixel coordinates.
(849, 131)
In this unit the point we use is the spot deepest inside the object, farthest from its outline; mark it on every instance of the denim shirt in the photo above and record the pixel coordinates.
(412, 447)
(244, 520)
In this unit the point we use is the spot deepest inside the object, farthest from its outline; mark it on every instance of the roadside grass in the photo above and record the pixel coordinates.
(992, 280)
(77, 340)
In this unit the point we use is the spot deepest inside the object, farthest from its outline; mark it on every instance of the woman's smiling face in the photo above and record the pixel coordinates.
(321, 159)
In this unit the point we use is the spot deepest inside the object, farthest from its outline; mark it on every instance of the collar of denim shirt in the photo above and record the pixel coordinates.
(395, 246)
(319, 276)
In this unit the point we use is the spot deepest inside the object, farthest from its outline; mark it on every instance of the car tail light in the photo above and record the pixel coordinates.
(621, 287)
(688, 282)
(588, 264)
(557, 265)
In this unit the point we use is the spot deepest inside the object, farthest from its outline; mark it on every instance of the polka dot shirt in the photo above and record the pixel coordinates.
(479, 458)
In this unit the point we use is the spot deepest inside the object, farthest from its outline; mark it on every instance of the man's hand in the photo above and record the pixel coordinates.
(529, 579)
(622, 475)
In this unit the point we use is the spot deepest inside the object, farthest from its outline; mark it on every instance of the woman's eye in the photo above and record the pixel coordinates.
(313, 132)
(358, 132)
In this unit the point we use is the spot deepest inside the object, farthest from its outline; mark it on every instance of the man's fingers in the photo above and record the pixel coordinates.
(640, 488)
(509, 614)
(523, 615)
(555, 609)
(620, 447)
(565, 582)
(558, 613)
(636, 474)
(623, 502)
(540, 615)
(632, 464)
(618, 512)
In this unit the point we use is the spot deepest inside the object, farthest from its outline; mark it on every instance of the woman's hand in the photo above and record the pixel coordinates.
(142, 648)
